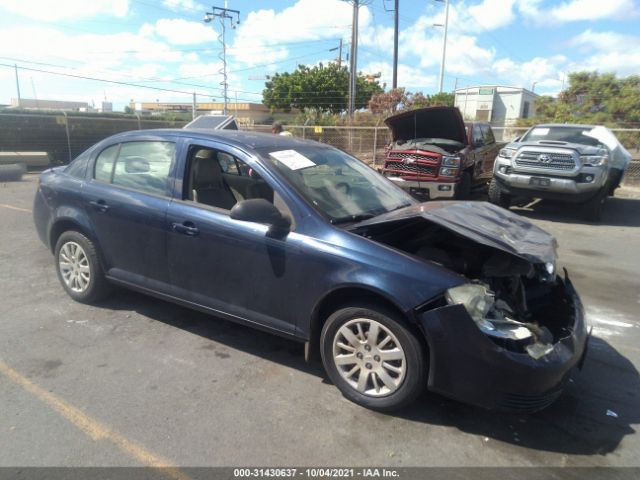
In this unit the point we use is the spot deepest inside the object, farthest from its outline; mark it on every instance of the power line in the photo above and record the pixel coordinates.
(83, 77)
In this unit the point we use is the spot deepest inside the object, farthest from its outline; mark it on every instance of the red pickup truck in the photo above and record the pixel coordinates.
(435, 154)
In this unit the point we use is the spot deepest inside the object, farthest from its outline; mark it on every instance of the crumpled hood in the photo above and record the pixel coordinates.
(482, 222)
(430, 122)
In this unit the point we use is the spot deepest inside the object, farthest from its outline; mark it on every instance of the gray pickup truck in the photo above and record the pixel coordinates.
(583, 164)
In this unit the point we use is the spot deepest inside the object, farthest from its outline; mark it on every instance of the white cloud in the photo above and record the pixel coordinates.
(257, 37)
(607, 52)
(410, 77)
(183, 32)
(577, 10)
(492, 14)
(184, 5)
(546, 73)
(45, 10)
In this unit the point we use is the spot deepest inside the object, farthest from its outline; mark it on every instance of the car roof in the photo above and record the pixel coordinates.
(238, 138)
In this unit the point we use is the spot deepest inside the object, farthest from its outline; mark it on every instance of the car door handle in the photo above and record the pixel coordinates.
(100, 205)
(187, 228)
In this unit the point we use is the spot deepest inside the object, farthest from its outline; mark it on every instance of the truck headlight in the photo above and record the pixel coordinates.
(507, 153)
(448, 172)
(594, 160)
(450, 161)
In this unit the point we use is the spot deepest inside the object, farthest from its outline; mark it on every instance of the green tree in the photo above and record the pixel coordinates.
(323, 88)
(594, 98)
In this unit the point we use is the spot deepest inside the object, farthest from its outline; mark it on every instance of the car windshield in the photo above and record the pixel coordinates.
(336, 184)
(574, 134)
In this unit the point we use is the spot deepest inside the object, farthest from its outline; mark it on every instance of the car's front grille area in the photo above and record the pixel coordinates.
(411, 168)
(546, 160)
(528, 403)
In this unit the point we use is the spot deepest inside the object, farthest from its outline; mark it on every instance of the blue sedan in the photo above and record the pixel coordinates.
(302, 240)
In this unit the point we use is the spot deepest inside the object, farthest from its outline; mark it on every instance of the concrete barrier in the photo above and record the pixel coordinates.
(29, 159)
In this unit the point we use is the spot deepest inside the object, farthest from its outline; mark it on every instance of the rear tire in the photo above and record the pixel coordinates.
(593, 208)
(384, 372)
(79, 269)
(497, 195)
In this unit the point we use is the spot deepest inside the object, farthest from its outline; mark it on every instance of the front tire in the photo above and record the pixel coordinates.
(593, 208)
(79, 269)
(497, 195)
(373, 359)
(463, 188)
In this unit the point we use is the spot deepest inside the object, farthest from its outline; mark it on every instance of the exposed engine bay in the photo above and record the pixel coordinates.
(518, 303)
(442, 146)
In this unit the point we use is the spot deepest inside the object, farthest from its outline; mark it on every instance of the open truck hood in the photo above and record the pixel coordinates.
(430, 122)
(481, 222)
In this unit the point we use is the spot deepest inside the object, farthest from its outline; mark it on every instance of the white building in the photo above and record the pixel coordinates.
(499, 105)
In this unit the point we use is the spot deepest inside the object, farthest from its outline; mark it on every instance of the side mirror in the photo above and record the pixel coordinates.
(259, 210)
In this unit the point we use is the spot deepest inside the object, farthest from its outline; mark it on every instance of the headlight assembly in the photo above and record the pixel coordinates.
(507, 153)
(450, 161)
(594, 160)
(479, 303)
(448, 172)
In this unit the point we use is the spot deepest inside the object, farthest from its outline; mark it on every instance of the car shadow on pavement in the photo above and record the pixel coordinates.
(596, 411)
(618, 212)
(577, 423)
(232, 335)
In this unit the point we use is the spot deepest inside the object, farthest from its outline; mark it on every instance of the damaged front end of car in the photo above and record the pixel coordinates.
(510, 335)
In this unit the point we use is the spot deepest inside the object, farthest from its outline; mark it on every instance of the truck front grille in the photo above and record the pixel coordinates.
(546, 160)
(411, 168)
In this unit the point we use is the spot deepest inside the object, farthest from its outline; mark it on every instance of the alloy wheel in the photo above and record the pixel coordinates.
(369, 357)
(74, 267)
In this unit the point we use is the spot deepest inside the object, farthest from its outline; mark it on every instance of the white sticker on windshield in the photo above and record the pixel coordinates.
(540, 132)
(292, 159)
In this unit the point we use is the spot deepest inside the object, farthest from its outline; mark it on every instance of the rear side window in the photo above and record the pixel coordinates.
(105, 162)
(142, 166)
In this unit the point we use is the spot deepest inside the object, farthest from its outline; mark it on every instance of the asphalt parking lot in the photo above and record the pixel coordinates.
(137, 381)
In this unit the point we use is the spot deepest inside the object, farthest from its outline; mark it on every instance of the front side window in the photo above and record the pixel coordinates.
(219, 179)
(477, 135)
(142, 166)
(487, 135)
(336, 184)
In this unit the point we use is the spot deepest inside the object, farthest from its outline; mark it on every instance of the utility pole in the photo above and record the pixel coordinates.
(444, 43)
(394, 83)
(224, 14)
(15, 66)
(339, 48)
(353, 73)
(193, 107)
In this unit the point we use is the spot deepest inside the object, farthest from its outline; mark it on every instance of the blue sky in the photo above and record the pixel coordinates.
(165, 44)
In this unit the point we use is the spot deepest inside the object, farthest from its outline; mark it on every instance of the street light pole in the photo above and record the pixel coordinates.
(444, 43)
(224, 14)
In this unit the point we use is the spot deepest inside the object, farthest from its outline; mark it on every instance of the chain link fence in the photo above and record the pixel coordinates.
(63, 136)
